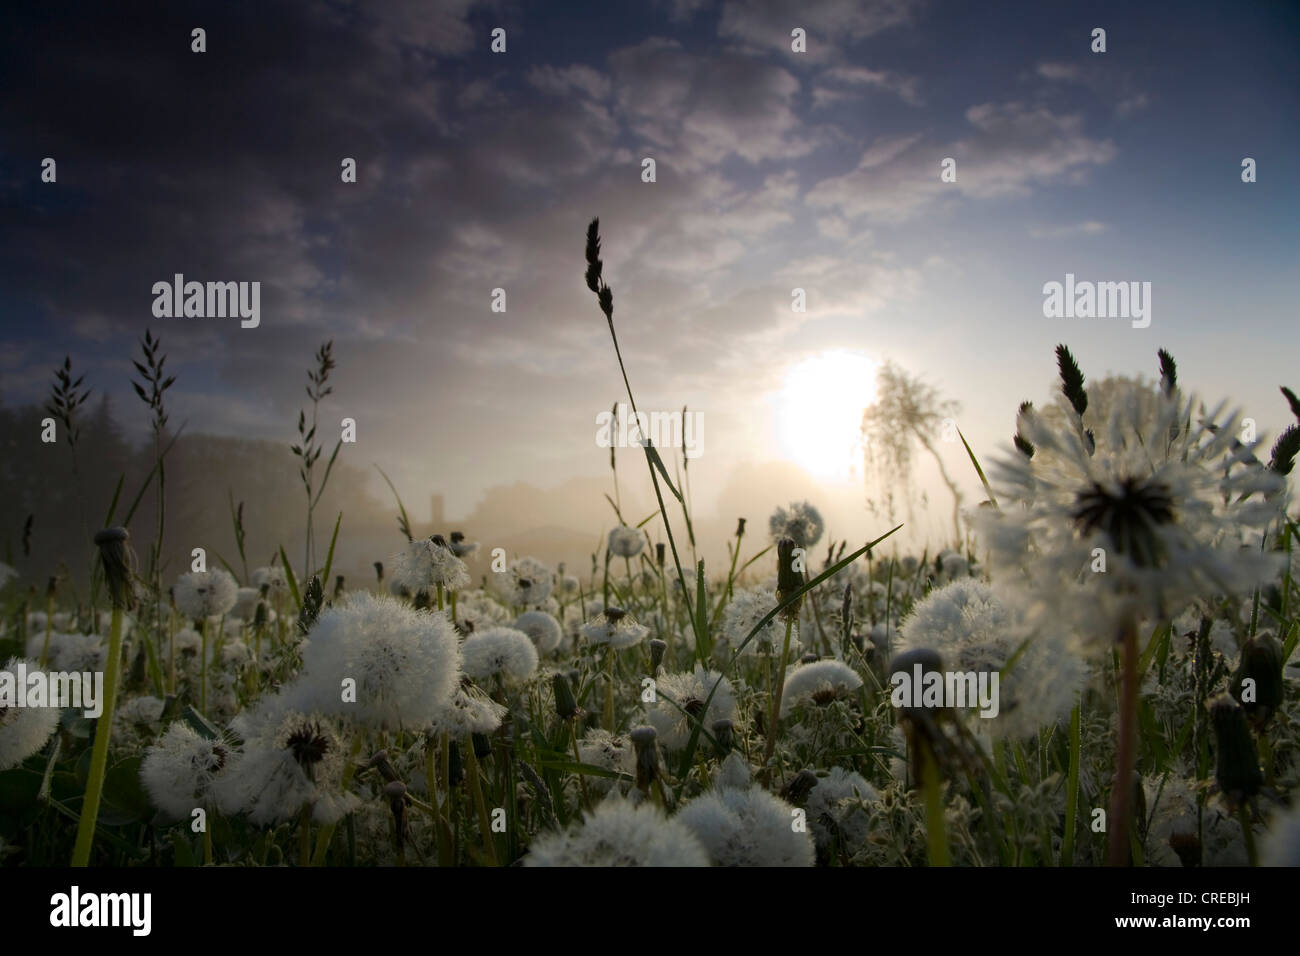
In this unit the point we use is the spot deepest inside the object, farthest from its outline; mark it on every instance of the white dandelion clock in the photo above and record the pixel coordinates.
(976, 630)
(746, 609)
(427, 564)
(179, 770)
(469, 711)
(801, 522)
(499, 652)
(297, 765)
(542, 628)
(680, 702)
(404, 664)
(618, 833)
(600, 748)
(200, 595)
(273, 579)
(527, 582)
(1166, 519)
(747, 826)
(246, 601)
(615, 628)
(23, 730)
(836, 808)
(626, 542)
(818, 683)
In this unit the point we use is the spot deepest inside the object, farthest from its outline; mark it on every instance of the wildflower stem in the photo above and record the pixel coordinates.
(446, 848)
(935, 834)
(1243, 815)
(609, 689)
(304, 835)
(49, 627)
(770, 747)
(99, 752)
(480, 808)
(1126, 751)
(577, 758)
(326, 834)
(1072, 793)
(203, 668)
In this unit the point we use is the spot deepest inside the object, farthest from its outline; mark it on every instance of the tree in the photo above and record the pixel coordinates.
(906, 411)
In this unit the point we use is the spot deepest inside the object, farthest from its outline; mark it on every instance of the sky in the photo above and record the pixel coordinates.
(775, 170)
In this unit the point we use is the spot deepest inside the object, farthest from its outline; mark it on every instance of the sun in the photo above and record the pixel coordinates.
(819, 411)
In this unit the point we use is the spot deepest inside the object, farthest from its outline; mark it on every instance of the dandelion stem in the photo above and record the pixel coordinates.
(935, 833)
(49, 625)
(1126, 752)
(577, 758)
(203, 669)
(770, 747)
(1072, 793)
(1243, 815)
(326, 834)
(480, 808)
(304, 835)
(99, 752)
(609, 689)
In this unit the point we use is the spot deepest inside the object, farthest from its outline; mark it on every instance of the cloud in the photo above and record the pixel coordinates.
(1088, 228)
(697, 110)
(830, 24)
(906, 88)
(1010, 148)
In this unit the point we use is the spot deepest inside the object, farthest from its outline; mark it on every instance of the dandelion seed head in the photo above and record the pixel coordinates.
(526, 582)
(626, 542)
(294, 762)
(747, 827)
(405, 662)
(271, 577)
(499, 652)
(179, 770)
(689, 691)
(976, 628)
(615, 627)
(469, 711)
(200, 595)
(600, 748)
(617, 833)
(746, 609)
(426, 564)
(801, 522)
(24, 730)
(818, 683)
(542, 628)
(838, 798)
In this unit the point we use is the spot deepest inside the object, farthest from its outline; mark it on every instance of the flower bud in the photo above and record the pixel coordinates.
(1237, 768)
(724, 734)
(647, 757)
(788, 580)
(565, 704)
(797, 790)
(657, 648)
(1261, 664)
(118, 563)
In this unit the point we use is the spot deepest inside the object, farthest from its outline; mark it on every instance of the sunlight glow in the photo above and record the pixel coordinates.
(819, 411)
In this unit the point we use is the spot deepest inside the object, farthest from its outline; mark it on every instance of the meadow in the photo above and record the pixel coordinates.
(1128, 579)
